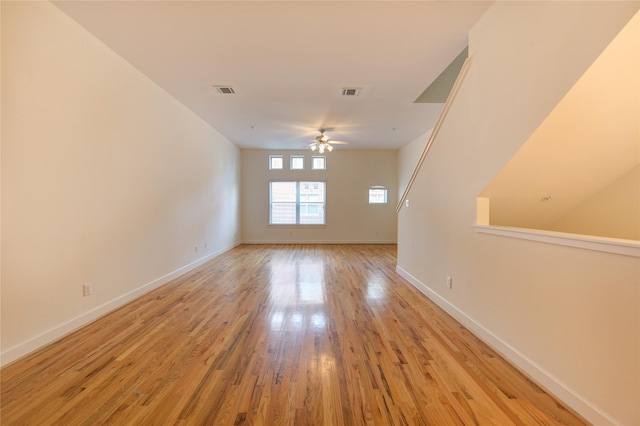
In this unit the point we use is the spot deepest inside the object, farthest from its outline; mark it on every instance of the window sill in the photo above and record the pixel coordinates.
(290, 225)
(587, 242)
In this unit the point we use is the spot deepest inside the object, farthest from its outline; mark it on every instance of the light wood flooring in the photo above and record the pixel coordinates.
(277, 335)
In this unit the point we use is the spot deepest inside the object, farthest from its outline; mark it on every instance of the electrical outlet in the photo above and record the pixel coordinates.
(449, 282)
(196, 249)
(87, 289)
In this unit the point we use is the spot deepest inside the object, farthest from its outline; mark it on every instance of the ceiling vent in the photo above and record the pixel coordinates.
(350, 91)
(225, 90)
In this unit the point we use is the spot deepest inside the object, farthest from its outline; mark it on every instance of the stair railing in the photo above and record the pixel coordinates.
(436, 129)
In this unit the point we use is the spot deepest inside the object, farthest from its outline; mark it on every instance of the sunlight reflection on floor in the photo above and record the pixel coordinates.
(297, 293)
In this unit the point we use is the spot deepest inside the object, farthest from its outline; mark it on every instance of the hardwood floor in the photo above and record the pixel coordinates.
(270, 335)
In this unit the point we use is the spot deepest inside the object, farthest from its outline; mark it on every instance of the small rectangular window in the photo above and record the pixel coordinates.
(297, 162)
(276, 162)
(377, 195)
(318, 163)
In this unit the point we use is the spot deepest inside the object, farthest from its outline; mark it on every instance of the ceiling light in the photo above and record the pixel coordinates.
(322, 144)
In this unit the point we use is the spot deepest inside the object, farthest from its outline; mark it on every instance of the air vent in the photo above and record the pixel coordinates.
(225, 90)
(350, 91)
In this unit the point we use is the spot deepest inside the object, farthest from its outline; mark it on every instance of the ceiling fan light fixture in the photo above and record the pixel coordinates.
(322, 144)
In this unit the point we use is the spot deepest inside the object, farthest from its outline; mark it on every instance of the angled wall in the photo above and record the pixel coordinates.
(611, 212)
(568, 316)
(590, 140)
(105, 179)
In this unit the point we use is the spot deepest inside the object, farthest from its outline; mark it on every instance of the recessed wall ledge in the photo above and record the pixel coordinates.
(587, 242)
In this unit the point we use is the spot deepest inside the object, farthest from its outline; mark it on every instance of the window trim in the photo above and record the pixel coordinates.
(378, 188)
(272, 157)
(294, 157)
(298, 203)
(324, 162)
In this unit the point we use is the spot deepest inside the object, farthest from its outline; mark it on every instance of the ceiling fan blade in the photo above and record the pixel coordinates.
(324, 139)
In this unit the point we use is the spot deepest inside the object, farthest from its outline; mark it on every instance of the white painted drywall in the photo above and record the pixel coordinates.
(590, 139)
(612, 212)
(349, 216)
(568, 316)
(105, 179)
(408, 157)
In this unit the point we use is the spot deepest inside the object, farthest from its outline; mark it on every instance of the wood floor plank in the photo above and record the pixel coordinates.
(277, 335)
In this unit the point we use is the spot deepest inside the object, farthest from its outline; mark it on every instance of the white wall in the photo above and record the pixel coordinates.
(105, 179)
(590, 139)
(612, 212)
(408, 157)
(349, 216)
(568, 316)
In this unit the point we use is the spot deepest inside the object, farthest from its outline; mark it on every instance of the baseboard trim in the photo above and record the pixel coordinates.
(319, 242)
(28, 346)
(555, 386)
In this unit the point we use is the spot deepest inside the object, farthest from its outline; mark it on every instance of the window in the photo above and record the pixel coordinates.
(297, 203)
(377, 195)
(276, 162)
(297, 162)
(318, 163)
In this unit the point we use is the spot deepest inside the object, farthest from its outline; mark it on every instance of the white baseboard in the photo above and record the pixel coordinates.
(16, 352)
(319, 242)
(581, 405)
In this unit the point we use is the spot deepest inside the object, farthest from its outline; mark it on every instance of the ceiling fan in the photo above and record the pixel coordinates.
(322, 143)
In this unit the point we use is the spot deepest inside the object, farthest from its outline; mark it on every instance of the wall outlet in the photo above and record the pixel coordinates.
(87, 289)
(406, 203)
(196, 249)
(449, 282)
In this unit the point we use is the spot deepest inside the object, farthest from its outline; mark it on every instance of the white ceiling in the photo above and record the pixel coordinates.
(288, 62)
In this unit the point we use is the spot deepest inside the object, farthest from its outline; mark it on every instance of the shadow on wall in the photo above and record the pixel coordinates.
(579, 172)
